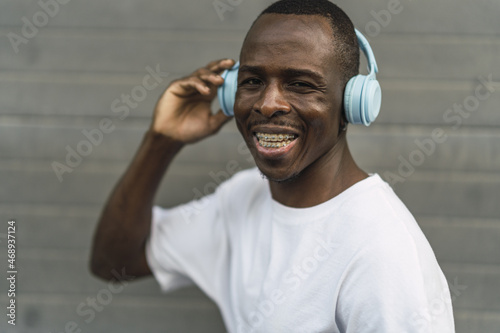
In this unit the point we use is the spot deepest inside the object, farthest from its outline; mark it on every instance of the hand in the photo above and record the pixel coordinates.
(184, 113)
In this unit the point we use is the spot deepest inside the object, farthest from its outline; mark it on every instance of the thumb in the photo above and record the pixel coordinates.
(218, 120)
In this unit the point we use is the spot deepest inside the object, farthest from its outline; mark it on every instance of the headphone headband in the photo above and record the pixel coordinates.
(362, 95)
(367, 50)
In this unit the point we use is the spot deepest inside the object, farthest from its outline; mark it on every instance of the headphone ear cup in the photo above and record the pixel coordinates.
(352, 95)
(227, 91)
(372, 101)
(362, 100)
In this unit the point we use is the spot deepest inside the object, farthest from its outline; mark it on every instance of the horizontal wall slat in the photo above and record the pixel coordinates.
(401, 149)
(473, 287)
(476, 321)
(42, 272)
(134, 14)
(426, 193)
(115, 51)
(463, 240)
(466, 240)
(73, 94)
(428, 102)
(449, 194)
(46, 313)
(50, 314)
(436, 57)
(408, 56)
(389, 148)
(446, 16)
(94, 185)
(120, 143)
(404, 101)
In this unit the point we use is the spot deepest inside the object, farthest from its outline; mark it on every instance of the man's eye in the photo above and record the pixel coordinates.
(300, 84)
(251, 82)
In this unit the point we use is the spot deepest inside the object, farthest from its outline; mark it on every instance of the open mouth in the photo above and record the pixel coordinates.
(271, 140)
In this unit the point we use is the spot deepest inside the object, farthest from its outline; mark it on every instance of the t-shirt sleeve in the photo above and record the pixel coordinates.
(385, 290)
(188, 244)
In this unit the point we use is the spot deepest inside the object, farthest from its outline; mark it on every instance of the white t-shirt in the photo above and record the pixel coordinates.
(357, 263)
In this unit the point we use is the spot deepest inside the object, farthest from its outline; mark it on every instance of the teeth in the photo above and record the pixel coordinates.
(275, 137)
(269, 140)
(268, 144)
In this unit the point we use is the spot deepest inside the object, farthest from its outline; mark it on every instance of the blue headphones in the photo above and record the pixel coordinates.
(362, 95)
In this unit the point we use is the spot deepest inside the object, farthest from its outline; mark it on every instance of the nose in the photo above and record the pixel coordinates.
(271, 101)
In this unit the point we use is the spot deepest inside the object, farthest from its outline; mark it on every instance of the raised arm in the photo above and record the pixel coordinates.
(182, 116)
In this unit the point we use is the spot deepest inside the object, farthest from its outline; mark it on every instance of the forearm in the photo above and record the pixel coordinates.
(125, 222)
(182, 115)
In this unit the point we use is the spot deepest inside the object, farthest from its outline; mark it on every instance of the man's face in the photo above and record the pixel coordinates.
(289, 99)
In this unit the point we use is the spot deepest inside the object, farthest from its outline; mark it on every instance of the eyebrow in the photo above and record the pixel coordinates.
(291, 72)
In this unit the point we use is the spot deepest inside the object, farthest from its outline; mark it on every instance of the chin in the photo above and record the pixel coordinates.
(276, 176)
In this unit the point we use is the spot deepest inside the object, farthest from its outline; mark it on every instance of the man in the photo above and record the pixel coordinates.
(318, 245)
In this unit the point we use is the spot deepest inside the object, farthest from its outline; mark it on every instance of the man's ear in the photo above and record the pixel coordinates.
(343, 118)
(342, 121)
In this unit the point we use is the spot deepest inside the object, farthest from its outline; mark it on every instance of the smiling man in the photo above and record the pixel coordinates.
(317, 244)
(291, 82)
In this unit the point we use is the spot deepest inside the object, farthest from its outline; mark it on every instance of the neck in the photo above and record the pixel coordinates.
(324, 179)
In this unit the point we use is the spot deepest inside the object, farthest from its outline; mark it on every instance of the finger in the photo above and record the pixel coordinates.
(213, 79)
(221, 65)
(204, 79)
(214, 63)
(217, 120)
(193, 83)
(215, 67)
(202, 71)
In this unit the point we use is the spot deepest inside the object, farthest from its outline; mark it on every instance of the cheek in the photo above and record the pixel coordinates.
(323, 125)
(321, 115)
(320, 131)
(242, 106)
(240, 113)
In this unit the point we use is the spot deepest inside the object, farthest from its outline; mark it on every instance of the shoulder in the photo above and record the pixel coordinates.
(379, 225)
(373, 205)
(391, 264)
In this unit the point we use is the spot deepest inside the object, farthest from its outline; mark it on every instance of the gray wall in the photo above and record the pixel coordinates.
(65, 77)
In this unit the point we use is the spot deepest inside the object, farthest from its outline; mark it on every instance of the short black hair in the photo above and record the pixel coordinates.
(344, 36)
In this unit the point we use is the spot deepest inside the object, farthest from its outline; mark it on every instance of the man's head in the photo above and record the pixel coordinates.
(294, 64)
(343, 36)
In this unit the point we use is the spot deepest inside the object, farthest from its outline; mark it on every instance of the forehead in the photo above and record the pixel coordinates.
(289, 38)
